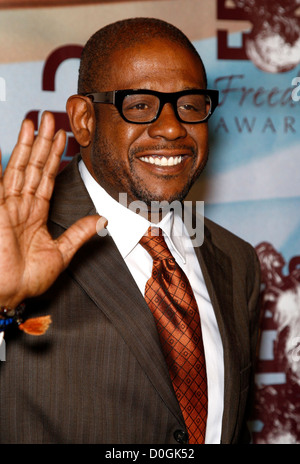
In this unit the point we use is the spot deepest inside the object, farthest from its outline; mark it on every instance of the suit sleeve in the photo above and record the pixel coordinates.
(254, 308)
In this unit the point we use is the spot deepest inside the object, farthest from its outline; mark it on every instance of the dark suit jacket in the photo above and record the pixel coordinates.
(98, 375)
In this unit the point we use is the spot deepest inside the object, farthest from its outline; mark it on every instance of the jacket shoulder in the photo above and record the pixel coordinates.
(229, 243)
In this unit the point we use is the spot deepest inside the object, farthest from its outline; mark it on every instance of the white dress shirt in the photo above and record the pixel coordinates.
(126, 229)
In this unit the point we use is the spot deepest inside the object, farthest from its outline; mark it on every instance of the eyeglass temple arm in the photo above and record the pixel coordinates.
(102, 97)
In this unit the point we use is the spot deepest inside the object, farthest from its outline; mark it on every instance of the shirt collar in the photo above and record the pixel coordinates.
(125, 226)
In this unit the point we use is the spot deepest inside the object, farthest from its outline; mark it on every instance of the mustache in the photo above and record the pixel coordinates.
(135, 151)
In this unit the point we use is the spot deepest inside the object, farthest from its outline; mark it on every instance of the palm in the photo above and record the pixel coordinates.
(30, 260)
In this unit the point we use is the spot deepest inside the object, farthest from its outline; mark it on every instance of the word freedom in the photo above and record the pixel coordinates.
(192, 216)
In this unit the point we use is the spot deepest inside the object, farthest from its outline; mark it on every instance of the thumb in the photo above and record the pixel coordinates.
(79, 233)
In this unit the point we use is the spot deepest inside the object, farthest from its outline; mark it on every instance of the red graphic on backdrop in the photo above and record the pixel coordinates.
(273, 44)
(277, 404)
(48, 84)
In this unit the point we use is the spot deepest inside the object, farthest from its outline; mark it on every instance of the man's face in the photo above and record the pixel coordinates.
(122, 154)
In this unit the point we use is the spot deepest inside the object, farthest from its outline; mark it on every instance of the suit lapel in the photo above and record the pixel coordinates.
(217, 272)
(126, 307)
(123, 304)
(117, 296)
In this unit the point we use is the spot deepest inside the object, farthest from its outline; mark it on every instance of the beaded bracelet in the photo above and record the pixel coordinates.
(33, 326)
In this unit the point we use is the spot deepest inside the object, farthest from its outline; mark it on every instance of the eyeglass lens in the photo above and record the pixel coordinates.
(144, 107)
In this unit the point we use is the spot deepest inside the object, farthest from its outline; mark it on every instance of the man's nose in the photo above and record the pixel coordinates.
(167, 125)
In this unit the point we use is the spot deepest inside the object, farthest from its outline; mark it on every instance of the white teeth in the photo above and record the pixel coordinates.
(171, 161)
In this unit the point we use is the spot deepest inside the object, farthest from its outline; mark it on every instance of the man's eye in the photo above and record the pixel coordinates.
(139, 103)
(139, 106)
(136, 106)
(188, 107)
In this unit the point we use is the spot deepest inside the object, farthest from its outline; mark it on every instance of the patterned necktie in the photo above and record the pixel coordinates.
(170, 297)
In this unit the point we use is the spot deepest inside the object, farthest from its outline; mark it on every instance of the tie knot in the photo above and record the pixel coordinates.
(155, 244)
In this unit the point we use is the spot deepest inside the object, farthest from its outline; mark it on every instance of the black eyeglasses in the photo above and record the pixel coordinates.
(144, 106)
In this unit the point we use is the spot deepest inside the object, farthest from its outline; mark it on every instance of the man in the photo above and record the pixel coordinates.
(99, 374)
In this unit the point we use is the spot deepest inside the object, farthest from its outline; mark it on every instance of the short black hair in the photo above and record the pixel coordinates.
(121, 35)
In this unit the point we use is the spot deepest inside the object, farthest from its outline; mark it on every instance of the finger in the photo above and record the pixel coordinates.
(13, 178)
(46, 185)
(40, 152)
(22, 149)
(79, 233)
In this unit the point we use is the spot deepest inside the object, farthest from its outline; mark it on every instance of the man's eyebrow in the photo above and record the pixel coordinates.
(194, 88)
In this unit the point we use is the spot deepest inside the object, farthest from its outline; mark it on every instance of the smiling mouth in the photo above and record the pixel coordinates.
(162, 160)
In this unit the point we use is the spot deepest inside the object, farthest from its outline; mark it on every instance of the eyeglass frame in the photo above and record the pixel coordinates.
(116, 98)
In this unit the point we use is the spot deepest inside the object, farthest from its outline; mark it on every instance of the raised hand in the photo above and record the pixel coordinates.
(30, 260)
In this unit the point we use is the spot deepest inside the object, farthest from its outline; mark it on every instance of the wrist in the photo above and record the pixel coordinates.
(11, 302)
(9, 315)
(10, 311)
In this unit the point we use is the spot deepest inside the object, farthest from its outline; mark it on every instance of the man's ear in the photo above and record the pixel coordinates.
(82, 118)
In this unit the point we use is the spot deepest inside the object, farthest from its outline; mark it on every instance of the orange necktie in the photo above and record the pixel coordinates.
(170, 297)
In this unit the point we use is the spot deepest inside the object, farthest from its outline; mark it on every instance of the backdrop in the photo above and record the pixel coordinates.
(251, 185)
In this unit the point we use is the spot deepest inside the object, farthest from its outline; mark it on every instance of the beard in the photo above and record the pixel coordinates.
(111, 175)
(149, 197)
